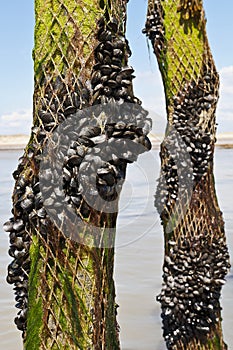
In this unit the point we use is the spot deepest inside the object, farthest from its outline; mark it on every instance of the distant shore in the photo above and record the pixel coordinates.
(13, 142)
(225, 140)
(19, 141)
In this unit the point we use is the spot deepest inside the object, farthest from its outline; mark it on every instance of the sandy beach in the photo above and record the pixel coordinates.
(12, 142)
(225, 140)
(19, 141)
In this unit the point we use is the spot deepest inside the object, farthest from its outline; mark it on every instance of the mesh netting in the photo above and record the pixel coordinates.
(196, 256)
(64, 286)
(64, 282)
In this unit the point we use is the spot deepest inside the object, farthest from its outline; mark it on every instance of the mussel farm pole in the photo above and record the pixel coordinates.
(65, 289)
(196, 256)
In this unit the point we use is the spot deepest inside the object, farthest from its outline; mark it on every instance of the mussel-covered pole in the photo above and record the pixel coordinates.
(62, 230)
(196, 256)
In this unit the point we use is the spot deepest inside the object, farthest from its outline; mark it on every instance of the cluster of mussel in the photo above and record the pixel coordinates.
(193, 118)
(112, 77)
(118, 136)
(95, 162)
(176, 177)
(91, 158)
(189, 145)
(193, 274)
(18, 269)
(154, 28)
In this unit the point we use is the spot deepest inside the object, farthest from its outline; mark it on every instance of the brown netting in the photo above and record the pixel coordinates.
(64, 283)
(196, 255)
(64, 289)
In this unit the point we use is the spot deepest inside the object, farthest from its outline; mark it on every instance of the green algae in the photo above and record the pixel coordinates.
(182, 57)
(35, 308)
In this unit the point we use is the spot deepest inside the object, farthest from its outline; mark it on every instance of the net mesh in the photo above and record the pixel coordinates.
(64, 287)
(196, 255)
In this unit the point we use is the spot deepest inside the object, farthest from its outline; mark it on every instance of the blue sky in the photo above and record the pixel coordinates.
(16, 66)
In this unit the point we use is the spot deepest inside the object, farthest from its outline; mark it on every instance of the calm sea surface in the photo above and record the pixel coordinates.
(139, 253)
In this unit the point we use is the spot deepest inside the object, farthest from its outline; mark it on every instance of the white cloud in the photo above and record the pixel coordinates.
(226, 70)
(225, 105)
(18, 122)
(17, 116)
(226, 80)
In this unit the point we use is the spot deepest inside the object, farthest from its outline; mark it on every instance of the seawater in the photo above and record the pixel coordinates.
(139, 253)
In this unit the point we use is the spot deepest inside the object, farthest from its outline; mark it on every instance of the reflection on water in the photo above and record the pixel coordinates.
(138, 261)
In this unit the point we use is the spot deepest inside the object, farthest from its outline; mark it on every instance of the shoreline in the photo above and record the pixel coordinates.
(19, 142)
(13, 142)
